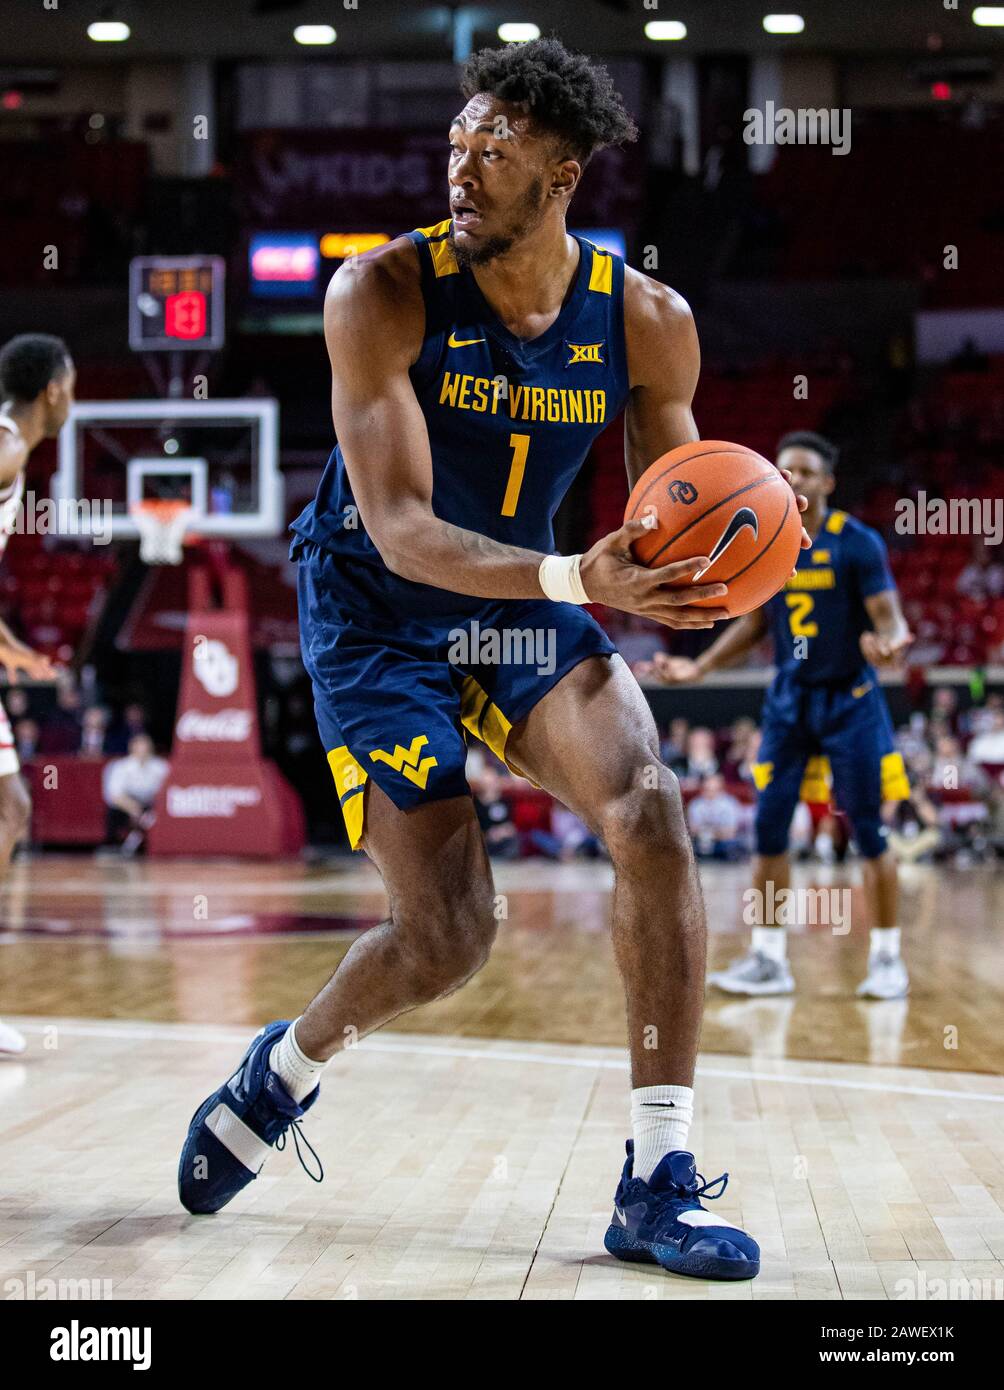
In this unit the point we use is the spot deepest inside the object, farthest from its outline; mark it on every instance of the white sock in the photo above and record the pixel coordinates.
(884, 941)
(660, 1118)
(771, 942)
(297, 1072)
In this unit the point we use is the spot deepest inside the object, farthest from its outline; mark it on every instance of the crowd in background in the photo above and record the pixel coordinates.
(70, 725)
(954, 760)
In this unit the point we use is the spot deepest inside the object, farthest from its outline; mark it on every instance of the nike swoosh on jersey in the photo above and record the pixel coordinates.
(454, 341)
(744, 517)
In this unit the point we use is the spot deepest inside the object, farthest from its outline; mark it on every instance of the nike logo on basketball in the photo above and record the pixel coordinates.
(744, 517)
(454, 341)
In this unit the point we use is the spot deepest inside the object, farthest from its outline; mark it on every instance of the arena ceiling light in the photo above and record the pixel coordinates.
(518, 33)
(783, 23)
(314, 34)
(662, 30)
(988, 16)
(108, 31)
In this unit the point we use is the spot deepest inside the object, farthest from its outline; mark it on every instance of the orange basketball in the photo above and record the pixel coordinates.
(726, 502)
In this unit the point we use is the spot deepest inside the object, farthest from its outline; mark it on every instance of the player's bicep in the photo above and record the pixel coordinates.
(664, 363)
(377, 418)
(653, 426)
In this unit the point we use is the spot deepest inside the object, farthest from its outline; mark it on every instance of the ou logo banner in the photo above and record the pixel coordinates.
(679, 490)
(216, 668)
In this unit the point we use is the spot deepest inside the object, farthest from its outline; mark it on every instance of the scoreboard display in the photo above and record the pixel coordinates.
(176, 303)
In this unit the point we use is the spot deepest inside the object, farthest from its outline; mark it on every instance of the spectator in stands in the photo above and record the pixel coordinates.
(983, 577)
(26, 739)
(130, 788)
(988, 746)
(981, 717)
(700, 760)
(132, 721)
(62, 728)
(715, 819)
(736, 755)
(94, 732)
(674, 745)
(945, 716)
(953, 770)
(492, 809)
(567, 838)
(17, 702)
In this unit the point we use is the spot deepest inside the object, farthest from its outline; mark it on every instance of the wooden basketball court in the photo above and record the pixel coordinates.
(472, 1150)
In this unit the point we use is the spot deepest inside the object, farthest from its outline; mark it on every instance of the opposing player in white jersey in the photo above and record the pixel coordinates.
(37, 377)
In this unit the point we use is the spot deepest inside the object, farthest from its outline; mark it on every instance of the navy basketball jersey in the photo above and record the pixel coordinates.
(510, 421)
(818, 617)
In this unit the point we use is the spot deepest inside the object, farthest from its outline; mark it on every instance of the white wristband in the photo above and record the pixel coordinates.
(560, 580)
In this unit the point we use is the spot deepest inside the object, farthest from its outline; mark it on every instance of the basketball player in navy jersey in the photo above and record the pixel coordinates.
(36, 392)
(473, 364)
(824, 720)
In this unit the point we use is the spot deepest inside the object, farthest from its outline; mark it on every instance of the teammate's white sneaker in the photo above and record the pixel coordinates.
(12, 1044)
(754, 973)
(886, 978)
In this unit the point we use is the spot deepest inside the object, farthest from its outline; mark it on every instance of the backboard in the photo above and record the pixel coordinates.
(221, 457)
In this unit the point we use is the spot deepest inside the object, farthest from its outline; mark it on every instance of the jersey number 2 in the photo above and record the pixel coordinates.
(801, 606)
(520, 445)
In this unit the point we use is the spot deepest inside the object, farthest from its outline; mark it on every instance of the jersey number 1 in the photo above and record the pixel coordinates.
(520, 445)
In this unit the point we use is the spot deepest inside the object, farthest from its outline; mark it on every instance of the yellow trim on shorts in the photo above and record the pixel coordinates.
(895, 783)
(817, 780)
(350, 779)
(486, 722)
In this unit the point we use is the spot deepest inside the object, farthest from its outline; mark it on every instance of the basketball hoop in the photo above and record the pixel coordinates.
(162, 526)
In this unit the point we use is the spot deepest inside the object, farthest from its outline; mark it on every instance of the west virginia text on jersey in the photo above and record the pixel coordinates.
(536, 407)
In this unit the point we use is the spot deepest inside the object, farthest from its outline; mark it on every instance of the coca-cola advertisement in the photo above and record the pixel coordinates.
(221, 796)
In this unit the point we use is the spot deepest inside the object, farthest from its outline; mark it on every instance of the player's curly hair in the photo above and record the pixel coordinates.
(29, 362)
(562, 91)
(808, 439)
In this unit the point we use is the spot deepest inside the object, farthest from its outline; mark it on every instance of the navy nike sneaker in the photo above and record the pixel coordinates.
(662, 1222)
(233, 1132)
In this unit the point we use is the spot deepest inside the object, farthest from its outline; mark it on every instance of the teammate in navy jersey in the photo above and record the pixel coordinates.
(473, 363)
(825, 724)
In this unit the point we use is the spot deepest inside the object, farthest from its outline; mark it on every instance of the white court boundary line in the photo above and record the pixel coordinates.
(135, 1031)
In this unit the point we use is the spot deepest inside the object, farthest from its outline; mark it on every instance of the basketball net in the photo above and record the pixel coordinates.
(162, 526)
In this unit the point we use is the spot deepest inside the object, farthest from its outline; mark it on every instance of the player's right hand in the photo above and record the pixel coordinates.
(669, 670)
(612, 576)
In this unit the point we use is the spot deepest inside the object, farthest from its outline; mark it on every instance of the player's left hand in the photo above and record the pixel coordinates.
(803, 502)
(884, 651)
(15, 658)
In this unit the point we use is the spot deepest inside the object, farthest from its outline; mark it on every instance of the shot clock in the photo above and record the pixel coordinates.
(176, 303)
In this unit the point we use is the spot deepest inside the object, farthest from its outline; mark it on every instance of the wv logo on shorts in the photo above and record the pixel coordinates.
(584, 352)
(744, 517)
(406, 760)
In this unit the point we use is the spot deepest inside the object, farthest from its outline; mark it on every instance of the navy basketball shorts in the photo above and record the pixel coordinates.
(398, 694)
(823, 743)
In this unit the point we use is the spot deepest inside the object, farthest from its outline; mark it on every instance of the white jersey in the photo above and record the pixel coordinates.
(10, 502)
(10, 496)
